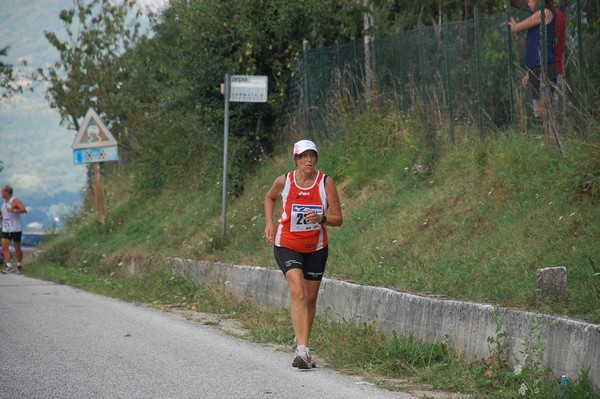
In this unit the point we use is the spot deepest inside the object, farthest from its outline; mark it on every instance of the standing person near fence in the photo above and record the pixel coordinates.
(300, 240)
(12, 208)
(533, 49)
(560, 36)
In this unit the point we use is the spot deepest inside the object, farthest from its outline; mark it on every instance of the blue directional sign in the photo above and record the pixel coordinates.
(91, 155)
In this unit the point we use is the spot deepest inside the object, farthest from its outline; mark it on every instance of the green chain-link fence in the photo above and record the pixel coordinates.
(465, 73)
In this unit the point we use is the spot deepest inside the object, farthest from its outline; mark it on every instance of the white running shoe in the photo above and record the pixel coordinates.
(310, 360)
(312, 363)
(303, 359)
(8, 269)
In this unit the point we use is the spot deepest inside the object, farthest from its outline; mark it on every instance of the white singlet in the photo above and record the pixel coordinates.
(11, 222)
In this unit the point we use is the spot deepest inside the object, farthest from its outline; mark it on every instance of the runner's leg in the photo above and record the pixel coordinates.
(18, 251)
(299, 310)
(311, 291)
(6, 250)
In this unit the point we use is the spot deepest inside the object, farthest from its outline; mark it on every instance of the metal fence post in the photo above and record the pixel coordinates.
(420, 51)
(306, 85)
(581, 69)
(478, 66)
(510, 66)
(543, 46)
(547, 124)
(448, 83)
(337, 55)
(339, 74)
(322, 93)
(356, 70)
(402, 67)
(378, 65)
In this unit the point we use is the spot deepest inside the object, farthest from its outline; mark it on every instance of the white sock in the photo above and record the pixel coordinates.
(19, 264)
(8, 265)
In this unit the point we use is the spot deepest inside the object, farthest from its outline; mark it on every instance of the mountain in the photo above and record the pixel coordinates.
(34, 149)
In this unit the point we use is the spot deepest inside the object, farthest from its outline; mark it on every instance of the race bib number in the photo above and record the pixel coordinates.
(299, 222)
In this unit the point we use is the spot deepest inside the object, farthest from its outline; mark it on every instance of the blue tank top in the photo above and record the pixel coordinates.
(533, 44)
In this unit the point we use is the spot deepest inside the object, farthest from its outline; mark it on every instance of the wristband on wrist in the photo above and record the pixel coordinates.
(323, 219)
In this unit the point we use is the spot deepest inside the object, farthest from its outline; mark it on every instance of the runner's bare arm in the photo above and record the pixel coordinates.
(533, 20)
(17, 207)
(270, 200)
(334, 218)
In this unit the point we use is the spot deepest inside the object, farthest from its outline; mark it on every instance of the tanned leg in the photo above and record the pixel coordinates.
(6, 249)
(299, 310)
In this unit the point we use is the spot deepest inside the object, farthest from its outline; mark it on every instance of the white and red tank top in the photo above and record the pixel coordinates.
(293, 231)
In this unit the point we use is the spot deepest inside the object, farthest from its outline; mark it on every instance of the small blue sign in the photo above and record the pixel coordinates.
(91, 155)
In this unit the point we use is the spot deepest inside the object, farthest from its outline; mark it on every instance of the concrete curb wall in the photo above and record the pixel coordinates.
(572, 345)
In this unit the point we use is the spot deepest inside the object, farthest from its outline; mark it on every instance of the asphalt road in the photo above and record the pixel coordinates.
(60, 342)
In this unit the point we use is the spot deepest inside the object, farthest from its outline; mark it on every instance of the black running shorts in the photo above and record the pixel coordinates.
(311, 263)
(15, 236)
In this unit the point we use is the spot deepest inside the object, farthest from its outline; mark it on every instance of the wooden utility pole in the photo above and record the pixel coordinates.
(99, 198)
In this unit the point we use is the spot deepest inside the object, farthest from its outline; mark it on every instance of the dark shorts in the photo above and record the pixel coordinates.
(311, 263)
(534, 79)
(15, 236)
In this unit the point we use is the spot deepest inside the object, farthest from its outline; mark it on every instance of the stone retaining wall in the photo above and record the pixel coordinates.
(572, 345)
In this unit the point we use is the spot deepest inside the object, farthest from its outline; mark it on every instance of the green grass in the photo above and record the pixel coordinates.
(153, 284)
(393, 362)
(475, 226)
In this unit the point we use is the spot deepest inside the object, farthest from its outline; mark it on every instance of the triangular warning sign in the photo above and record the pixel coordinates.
(93, 133)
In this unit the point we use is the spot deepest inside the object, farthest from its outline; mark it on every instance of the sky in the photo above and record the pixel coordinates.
(34, 148)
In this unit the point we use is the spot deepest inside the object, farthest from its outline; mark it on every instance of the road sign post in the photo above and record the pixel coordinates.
(225, 152)
(94, 143)
(238, 88)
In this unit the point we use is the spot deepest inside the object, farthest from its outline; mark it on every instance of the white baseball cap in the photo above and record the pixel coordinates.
(304, 145)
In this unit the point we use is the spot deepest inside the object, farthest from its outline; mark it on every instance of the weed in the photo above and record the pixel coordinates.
(535, 372)
(532, 378)
(580, 387)
(595, 276)
(493, 371)
(481, 160)
(497, 343)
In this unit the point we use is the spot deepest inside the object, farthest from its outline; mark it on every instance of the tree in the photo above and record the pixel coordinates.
(91, 69)
(8, 84)
(391, 15)
(176, 76)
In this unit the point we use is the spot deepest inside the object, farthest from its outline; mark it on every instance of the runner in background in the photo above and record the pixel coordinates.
(12, 208)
